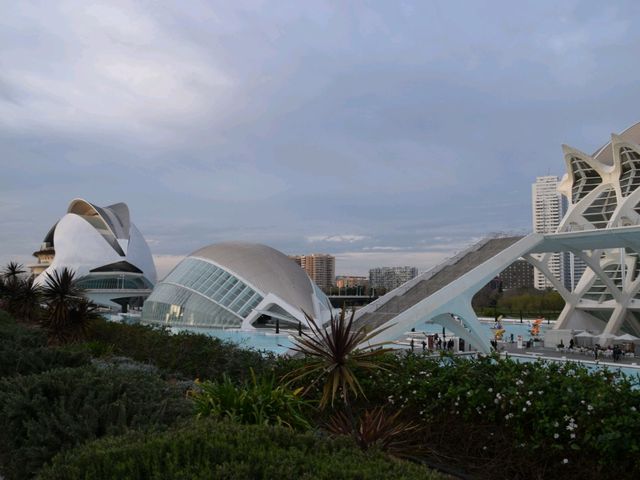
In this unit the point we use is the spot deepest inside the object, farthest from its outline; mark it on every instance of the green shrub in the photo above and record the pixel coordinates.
(43, 414)
(193, 355)
(23, 350)
(259, 402)
(206, 449)
(562, 418)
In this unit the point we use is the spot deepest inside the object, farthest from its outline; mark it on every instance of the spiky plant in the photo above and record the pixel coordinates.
(28, 297)
(12, 271)
(333, 356)
(376, 428)
(68, 312)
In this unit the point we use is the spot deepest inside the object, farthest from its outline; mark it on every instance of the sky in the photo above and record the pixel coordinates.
(385, 133)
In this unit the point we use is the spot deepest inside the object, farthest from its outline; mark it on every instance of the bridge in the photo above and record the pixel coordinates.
(443, 294)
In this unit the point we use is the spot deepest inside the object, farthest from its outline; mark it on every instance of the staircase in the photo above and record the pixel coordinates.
(397, 301)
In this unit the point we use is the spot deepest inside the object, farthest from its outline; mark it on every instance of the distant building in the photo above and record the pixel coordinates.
(320, 267)
(549, 207)
(517, 275)
(346, 281)
(391, 277)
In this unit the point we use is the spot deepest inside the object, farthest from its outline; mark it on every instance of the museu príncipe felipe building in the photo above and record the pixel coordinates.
(236, 285)
(105, 250)
(603, 193)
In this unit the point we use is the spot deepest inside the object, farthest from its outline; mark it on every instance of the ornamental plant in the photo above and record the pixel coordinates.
(332, 357)
(258, 402)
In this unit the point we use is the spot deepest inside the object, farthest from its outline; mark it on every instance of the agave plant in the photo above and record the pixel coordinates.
(333, 356)
(376, 428)
(68, 311)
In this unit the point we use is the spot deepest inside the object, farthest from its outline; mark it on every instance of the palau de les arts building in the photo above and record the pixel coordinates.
(107, 253)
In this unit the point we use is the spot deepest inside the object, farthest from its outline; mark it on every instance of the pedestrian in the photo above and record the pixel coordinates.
(424, 345)
(412, 345)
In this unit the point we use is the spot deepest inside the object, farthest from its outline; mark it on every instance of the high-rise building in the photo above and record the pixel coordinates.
(549, 206)
(517, 275)
(319, 266)
(391, 277)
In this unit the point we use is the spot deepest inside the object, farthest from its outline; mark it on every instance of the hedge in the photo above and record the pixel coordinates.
(192, 355)
(43, 414)
(204, 449)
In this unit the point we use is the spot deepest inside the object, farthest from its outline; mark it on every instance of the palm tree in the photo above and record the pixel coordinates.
(333, 356)
(68, 311)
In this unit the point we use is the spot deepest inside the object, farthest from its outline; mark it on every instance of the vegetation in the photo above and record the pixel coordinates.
(206, 449)
(332, 357)
(48, 412)
(259, 402)
(528, 302)
(129, 401)
(188, 354)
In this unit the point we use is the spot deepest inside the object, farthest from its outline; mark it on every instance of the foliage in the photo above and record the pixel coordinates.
(206, 449)
(43, 414)
(559, 418)
(332, 357)
(377, 429)
(68, 312)
(192, 355)
(13, 271)
(260, 402)
(23, 350)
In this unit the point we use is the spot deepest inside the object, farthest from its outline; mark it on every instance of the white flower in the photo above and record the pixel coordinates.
(633, 409)
(490, 390)
(556, 435)
(573, 435)
(565, 461)
(589, 407)
(524, 409)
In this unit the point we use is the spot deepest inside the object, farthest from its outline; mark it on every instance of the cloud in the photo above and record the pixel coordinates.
(352, 238)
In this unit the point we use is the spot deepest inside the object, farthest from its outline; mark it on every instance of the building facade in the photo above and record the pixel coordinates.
(517, 275)
(320, 267)
(548, 208)
(349, 281)
(107, 253)
(391, 277)
(236, 285)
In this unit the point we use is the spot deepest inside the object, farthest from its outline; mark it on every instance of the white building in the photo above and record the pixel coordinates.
(107, 253)
(391, 277)
(236, 285)
(548, 208)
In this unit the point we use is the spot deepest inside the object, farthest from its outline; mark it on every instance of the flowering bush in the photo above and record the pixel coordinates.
(563, 414)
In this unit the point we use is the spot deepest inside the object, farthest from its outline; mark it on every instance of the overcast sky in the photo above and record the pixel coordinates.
(386, 133)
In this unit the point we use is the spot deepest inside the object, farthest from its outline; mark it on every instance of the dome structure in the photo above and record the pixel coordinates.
(105, 250)
(236, 285)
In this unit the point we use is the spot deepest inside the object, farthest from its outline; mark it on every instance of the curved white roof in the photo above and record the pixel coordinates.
(265, 268)
(605, 154)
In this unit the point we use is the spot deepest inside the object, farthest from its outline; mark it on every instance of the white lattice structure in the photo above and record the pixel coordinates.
(603, 193)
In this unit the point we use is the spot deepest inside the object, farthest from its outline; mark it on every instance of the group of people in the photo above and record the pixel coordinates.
(616, 351)
(439, 343)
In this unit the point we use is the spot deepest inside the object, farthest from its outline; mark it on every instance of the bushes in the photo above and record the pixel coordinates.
(205, 449)
(23, 350)
(558, 418)
(193, 355)
(260, 402)
(45, 413)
